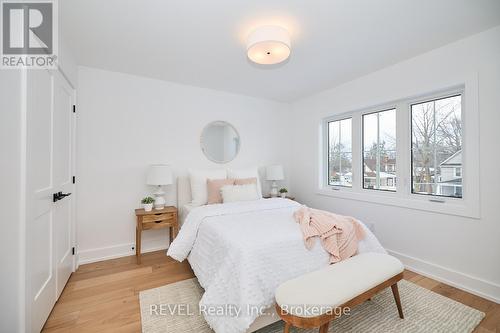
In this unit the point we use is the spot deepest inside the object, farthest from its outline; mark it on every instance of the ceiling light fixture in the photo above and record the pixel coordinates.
(268, 45)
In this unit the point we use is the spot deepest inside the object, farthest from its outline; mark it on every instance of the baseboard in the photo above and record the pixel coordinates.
(118, 251)
(471, 284)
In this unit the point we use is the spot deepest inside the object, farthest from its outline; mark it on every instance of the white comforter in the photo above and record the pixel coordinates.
(241, 252)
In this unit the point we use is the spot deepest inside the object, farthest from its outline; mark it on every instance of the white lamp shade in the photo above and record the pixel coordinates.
(274, 172)
(159, 174)
(268, 45)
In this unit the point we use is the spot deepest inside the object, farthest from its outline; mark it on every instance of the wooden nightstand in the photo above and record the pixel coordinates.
(155, 219)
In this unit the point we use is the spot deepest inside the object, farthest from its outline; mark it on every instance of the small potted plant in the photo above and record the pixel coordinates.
(147, 203)
(283, 192)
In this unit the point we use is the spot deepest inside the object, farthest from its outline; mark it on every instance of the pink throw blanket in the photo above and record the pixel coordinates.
(339, 234)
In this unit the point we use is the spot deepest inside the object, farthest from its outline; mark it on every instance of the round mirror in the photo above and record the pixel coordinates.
(220, 142)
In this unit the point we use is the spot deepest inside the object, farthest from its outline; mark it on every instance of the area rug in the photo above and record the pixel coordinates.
(424, 310)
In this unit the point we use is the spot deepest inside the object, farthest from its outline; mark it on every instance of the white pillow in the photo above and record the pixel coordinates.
(246, 173)
(198, 180)
(232, 193)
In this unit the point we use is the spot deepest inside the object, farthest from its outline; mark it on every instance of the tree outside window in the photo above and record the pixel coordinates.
(340, 152)
(437, 147)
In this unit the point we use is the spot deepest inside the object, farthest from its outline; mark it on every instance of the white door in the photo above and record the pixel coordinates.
(49, 170)
(63, 179)
(40, 270)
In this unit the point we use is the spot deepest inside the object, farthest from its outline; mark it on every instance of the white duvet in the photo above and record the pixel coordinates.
(242, 251)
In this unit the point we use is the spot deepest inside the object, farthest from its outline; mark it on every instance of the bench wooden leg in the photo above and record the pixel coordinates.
(395, 292)
(287, 328)
(324, 327)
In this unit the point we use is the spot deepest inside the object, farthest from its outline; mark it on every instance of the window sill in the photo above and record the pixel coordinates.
(449, 206)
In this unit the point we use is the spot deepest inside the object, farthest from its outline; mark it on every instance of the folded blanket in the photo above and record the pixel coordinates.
(339, 234)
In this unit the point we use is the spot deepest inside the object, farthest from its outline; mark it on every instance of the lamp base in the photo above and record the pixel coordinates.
(159, 199)
(274, 189)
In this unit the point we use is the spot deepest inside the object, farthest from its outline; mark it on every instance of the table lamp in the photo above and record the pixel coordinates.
(159, 175)
(274, 173)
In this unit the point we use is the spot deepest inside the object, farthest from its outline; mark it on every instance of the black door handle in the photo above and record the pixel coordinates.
(59, 196)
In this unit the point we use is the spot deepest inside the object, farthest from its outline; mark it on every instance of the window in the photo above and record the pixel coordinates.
(379, 150)
(431, 166)
(340, 152)
(436, 152)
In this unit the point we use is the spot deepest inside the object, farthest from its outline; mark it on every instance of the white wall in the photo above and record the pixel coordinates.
(67, 65)
(125, 123)
(66, 59)
(462, 251)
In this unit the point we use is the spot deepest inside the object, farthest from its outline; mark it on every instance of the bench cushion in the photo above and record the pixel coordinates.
(336, 284)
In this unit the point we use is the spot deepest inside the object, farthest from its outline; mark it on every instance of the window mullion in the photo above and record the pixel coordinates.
(357, 151)
(403, 150)
(377, 158)
(340, 148)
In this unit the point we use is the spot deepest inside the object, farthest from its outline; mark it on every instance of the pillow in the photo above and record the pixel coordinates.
(246, 173)
(245, 181)
(232, 193)
(213, 189)
(198, 180)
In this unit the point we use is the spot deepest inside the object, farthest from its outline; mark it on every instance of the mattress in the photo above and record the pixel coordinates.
(184, 212)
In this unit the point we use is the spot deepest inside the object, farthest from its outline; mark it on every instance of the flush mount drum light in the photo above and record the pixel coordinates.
(268, 45)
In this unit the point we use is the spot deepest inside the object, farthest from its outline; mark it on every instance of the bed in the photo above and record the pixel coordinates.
(240, 252)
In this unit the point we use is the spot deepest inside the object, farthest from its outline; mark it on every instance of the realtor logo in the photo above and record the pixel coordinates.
(29, 34)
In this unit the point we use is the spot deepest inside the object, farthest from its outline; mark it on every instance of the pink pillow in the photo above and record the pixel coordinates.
(213, 189)
(245, 181)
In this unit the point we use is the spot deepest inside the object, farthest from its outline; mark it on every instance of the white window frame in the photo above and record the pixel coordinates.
(362, 147)
(327, 144)
(467, 206)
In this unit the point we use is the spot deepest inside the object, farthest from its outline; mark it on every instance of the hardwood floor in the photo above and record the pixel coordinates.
(104, 296)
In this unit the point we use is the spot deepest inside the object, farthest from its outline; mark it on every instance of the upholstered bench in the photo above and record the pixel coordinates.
(314, 299)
